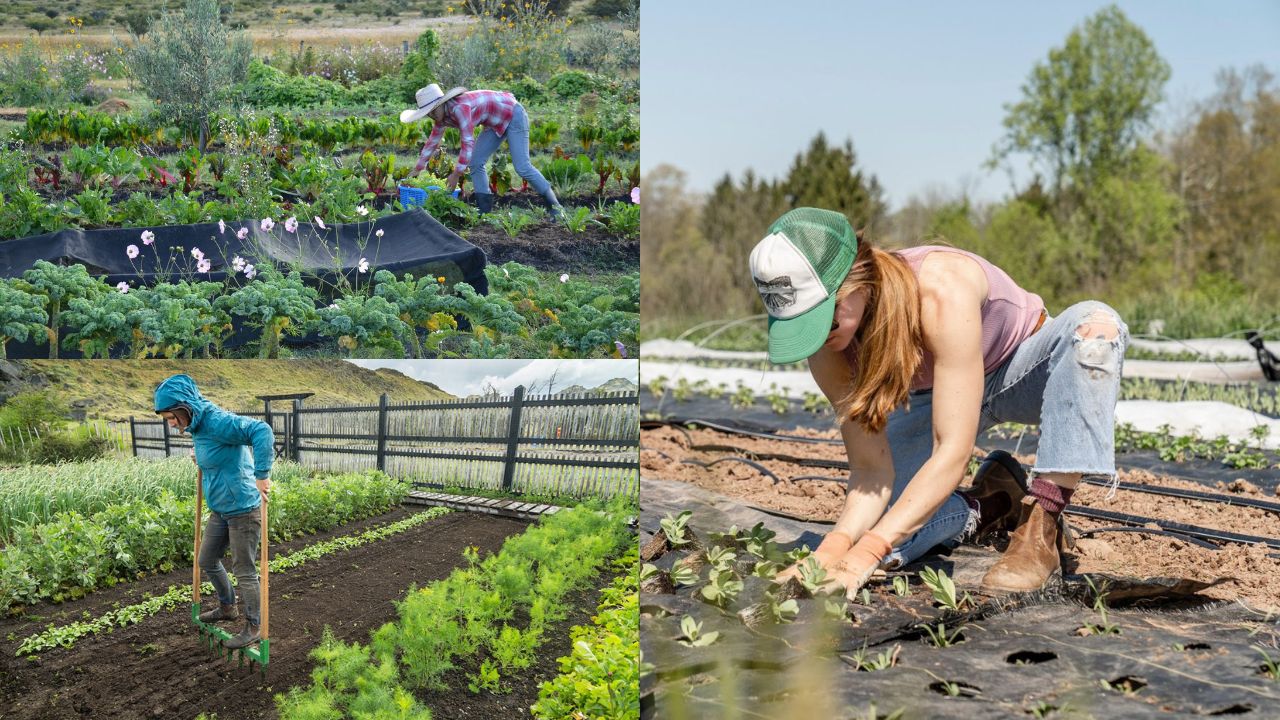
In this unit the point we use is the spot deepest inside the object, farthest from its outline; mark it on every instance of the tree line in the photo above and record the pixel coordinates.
(1178, 229)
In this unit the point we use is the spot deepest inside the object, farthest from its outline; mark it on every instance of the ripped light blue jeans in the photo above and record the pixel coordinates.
(1065, 383)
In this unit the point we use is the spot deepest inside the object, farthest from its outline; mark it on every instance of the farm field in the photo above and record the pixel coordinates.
(279, 221)
(1167, 604)
(339, 577)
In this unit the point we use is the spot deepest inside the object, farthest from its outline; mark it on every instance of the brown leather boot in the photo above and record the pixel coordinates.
(222, 612)
(999, 473)
(1032, 557)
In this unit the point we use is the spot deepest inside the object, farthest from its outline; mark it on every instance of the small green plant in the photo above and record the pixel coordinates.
(863, 661)
(721, 558)
(944, 589)
(1105, 626)
(674, 528)
(782, 612)
(1270, 667)
(1043, 709)
(691, 634)
(901, 586)
(683, 575)
(513, 221)
(813, 576)
(940, 638)
(578, 220)
(722, 589)
(486, 678)
(836, 609)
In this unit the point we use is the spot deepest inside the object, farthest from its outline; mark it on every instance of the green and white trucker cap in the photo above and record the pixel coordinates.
(797, 269)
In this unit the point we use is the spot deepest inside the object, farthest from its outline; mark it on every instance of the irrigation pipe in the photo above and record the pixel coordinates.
(1149, 531)
(837, 465)
(1192, 530)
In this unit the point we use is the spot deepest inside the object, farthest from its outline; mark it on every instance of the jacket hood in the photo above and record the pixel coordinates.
(181, 391)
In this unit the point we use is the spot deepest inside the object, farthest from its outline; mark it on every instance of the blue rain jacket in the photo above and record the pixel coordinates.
(222, 443)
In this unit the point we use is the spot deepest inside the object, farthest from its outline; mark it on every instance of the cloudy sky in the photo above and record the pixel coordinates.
(471, 377)
(919, 86)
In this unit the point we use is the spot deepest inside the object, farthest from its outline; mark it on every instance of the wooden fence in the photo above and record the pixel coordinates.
(580, 445)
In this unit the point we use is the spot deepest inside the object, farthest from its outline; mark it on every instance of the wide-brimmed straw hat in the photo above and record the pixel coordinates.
(428, 98)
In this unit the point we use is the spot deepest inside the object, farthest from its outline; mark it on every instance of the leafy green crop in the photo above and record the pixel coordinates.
(276, 303)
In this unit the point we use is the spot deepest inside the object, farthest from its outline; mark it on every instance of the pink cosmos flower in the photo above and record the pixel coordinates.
(250, 271)
(320, 223)
(364, 265)
(222, 227)
(333, 306)
(237, 263)
(204, 265)
(635, 195)
(131, 251)
(123, 287)
(267, 224)
(148, 237)
(362, 210)
(564, 277)
(242, 233)
(197, 253)
(291, 224)
(379, 233)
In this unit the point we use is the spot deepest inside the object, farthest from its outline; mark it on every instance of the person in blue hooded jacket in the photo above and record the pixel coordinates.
(234, 454)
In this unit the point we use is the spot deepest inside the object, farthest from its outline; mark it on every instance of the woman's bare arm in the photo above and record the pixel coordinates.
(952, 290)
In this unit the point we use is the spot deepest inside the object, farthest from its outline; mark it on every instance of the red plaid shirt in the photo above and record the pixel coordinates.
(490, 108)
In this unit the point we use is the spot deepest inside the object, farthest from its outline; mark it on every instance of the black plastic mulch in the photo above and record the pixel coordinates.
(1177, 655)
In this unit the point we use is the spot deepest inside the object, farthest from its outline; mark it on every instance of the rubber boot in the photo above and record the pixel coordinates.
(484, 202)
(1032, 557)
(553, 205)
(998, 474)
(222, 612)
(247, 637)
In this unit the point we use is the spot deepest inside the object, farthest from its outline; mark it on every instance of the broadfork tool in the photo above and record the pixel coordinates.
(213, 636)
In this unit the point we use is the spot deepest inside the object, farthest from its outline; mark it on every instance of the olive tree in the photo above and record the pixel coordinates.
(188, 64)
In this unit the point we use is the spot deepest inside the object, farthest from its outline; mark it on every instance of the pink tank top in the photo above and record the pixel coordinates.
(1009, 315)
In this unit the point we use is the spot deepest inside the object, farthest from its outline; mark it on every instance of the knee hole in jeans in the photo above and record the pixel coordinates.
(1097, 342)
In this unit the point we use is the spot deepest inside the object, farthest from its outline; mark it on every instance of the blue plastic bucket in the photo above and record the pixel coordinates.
(411, 197)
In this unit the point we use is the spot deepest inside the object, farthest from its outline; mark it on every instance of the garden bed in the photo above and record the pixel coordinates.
(1128, 640)
(739, 467)
(158, 669)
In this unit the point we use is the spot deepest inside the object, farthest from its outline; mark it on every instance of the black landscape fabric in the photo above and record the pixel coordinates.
(412, 242)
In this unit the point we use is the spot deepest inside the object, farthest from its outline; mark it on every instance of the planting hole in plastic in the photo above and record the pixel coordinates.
(964, 688)
(1237, 709)
(1127, 683)
(1030, 657)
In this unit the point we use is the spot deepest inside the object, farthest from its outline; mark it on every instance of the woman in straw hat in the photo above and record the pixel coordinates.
(501, 116)
(919, 350)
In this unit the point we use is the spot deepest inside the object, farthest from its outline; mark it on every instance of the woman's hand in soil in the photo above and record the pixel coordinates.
(830, 550)
(452, 181)
(852, 572)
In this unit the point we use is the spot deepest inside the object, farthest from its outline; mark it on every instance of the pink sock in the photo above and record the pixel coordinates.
(1051, 497)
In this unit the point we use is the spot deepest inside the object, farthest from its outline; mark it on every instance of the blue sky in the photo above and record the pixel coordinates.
(918, 86)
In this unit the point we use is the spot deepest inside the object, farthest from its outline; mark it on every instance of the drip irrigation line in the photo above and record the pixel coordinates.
(1190, 494)
(1192, 530)
(818, 477)
(1148, 531)
(837, 465)
(758, 467)
(675, 422)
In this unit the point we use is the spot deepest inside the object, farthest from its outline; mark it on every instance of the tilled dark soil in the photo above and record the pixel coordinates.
(157, 668)
(551, 247)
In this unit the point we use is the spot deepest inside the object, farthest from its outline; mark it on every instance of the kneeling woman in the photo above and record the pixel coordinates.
(919, 350)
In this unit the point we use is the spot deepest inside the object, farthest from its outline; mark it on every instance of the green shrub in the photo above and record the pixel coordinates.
(573, 84)
(65, 447)
(188, 64)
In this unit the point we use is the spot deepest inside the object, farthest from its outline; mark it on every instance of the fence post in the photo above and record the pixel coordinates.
(382, 433)
(165, 425)
(133, 436)
(404, 47)
(296, 452)
(513, 439)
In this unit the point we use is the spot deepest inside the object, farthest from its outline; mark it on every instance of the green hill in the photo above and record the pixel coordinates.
(116, 389)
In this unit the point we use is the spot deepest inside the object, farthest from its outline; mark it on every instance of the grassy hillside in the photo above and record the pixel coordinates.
(115, 389)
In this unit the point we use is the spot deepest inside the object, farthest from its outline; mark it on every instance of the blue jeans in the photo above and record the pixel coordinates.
(1067, 384)
(517, 137)
(242, 533)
